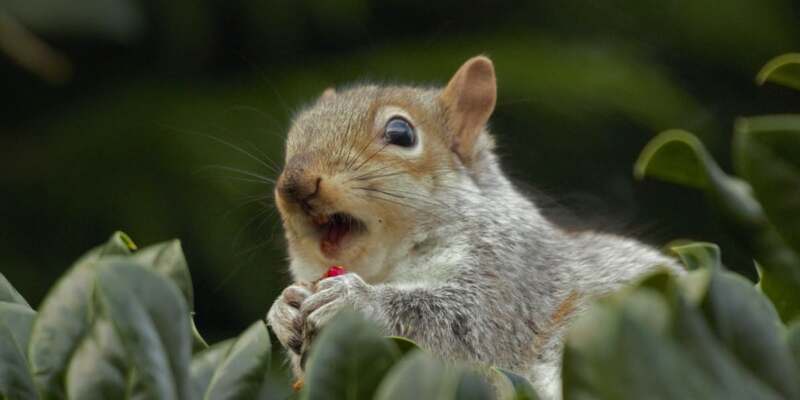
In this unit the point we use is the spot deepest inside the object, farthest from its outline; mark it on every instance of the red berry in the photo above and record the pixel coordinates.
(334, 270)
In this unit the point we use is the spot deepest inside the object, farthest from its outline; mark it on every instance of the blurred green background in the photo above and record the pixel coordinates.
(113, 113)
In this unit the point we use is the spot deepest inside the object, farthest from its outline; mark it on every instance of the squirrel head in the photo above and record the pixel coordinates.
(366, 167)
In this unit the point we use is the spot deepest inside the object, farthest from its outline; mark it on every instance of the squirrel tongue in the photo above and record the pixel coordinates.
(333, 235)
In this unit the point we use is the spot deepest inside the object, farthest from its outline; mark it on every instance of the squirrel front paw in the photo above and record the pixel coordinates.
(286, 321)
(331, 296)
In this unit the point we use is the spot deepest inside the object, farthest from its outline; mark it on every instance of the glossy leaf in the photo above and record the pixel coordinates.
(783, 69)
(98, 369)
(699, 256)
(472, 386)
(723, 344)
(16, 321)
(607, 348)
(405, 345)
(152, 320)
(348, 360)
(243, 372)
(793, 341)
(168, 260)
(204, 364)
(64, 318)
(767, 154)
(419, 376)
(733, 199)
(517, 387)
(679, 157)
(675, 156)
(198, 342)
(718, 370)
(9, 294)
(747, 325)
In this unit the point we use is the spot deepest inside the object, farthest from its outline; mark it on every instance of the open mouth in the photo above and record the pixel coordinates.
(335, 228)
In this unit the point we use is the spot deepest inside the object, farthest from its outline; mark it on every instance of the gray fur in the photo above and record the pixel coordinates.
(486, 271)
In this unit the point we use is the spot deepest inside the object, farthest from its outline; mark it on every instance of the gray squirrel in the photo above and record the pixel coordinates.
(402, 187)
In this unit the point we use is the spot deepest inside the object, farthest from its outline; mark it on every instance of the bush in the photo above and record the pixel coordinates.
(119, 323)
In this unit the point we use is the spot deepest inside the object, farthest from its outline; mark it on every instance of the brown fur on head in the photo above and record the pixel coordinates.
(343, 175)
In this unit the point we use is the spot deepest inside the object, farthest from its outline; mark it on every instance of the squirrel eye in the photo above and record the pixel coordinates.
(400, 132)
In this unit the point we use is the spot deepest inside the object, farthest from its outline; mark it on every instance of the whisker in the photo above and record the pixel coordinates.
(268, 117)
(371, 177)
(226, 143)
(372, 172)
(376, 196)
(276, 166)
(370, 157)
(358, 155)
(263, 199)
(251, 180)
(251, 174)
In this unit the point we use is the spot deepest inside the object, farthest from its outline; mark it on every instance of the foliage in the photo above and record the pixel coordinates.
(710, 333)
(760, 206)
(118, 325)
(119, 143)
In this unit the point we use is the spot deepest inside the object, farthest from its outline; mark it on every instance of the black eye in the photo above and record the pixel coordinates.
(399, 132)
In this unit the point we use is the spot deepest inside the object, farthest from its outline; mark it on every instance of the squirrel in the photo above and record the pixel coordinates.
(402, 186)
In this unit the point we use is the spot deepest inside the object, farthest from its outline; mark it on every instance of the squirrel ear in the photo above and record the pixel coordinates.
(469, 100)
(328, 94)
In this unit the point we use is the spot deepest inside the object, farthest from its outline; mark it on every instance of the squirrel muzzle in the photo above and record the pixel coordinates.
(297, 184)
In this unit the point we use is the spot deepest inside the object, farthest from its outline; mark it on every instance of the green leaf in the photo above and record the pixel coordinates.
(783, 69)
(719, 345)
(793, 341)
(420, 376)
(516, 388)
(675, 156)
(405, 345)
(608, 346)
(472, 386)
(152, 320)
(679, 157)
(747, 325)
(198, 342)
(64, 318)
(9, 294)
(767, 154)
(348, 360)
(168, 260)
(699, 255)
(19, 319)
(205, 363)
(16, 321)
(717, 368)
(98, 369)
(243, 373)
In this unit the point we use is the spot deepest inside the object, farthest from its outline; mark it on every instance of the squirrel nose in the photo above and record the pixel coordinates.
(299, 188)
